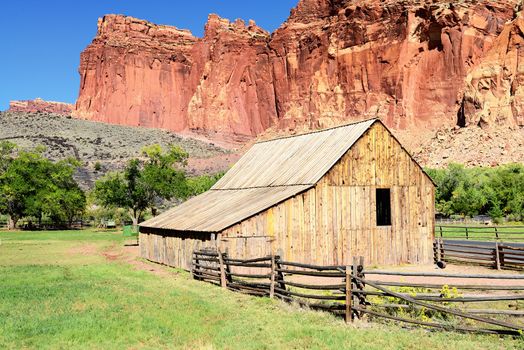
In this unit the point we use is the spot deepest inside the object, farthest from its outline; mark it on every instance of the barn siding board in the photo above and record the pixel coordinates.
(334, 219)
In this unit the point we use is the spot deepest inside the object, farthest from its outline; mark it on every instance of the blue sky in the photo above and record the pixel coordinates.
(41, 41)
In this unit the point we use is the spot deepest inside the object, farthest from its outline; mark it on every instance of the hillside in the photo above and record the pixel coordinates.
(110, 145)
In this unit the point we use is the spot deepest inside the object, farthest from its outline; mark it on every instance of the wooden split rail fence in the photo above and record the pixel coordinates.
(498, 255)
(346, 291)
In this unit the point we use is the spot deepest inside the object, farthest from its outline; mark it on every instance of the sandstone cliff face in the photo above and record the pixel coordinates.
(138, 73)
(40, 106)
(234, 84)
(402, 61)
(494, 93)
(333, 60)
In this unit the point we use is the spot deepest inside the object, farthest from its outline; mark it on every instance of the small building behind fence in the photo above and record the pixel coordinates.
(318, 198)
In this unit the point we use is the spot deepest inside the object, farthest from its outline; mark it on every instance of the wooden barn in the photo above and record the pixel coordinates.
(318, 198)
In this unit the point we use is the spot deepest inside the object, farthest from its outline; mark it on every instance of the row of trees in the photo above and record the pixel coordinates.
(33, 187)
(497, 192)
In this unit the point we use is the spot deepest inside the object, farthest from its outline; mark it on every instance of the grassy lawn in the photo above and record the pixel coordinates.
(58, 290)
(482, 233)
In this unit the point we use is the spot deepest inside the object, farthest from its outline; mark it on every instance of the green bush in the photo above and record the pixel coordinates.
(496, 192)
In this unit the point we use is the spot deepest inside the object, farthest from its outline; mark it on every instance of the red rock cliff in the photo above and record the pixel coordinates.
(494, 92)
(138, 73)
(408, 62)
(404, 61)
(38, 105)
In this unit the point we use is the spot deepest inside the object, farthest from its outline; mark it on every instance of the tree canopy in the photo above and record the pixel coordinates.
(33, 186)
(497, 191)
(145, 182)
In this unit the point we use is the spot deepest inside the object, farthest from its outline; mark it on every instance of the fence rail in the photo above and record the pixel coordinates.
(345, 291)
(52, 225)
(498, 256)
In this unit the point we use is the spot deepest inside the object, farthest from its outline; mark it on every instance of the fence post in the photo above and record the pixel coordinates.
(497, 256)
(272, 283)
(438, 248)
(195, 268)
(441, 249)
(496, 233)
(501, 256)
(360, 286)
(440, 229)
(223, 282)
(349, 296)
(192, 271)
(229, 278)
(280, 275)
(467, 235)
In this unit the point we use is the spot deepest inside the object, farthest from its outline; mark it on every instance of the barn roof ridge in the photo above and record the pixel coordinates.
(268, 186)
(301, 159)
(269, 173)
(317, 131)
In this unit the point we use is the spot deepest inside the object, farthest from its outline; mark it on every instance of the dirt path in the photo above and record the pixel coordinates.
(129, 253)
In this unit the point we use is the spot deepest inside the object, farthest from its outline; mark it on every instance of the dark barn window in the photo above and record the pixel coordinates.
(383, 207)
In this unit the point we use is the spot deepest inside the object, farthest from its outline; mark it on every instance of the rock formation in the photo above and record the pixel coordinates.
(138, 73)
(404, 61)
(40, 106)
(494, 92)
(415, 64)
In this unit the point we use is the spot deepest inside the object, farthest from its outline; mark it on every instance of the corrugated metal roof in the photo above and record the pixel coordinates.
(216, 210)
(296, 160)
(269, 173)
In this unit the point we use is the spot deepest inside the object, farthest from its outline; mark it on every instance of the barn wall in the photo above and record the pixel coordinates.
(336, 219)
(173, 249)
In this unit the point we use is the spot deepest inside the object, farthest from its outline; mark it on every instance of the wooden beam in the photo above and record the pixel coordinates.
(223, 281)
(349, 296)
(272, 283)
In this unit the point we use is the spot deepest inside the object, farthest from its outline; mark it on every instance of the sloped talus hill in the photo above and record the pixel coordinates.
(111, 146)
(414, 64)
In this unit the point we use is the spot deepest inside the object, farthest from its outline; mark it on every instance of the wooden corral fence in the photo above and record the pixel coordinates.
(48, 225)
(348, 291)
(491, 254)
(507, 233)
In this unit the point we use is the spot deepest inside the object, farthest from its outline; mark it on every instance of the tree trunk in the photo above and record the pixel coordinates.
(11, 222)
(135, 215)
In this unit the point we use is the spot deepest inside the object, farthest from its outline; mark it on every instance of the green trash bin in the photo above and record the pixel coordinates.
(130, 231)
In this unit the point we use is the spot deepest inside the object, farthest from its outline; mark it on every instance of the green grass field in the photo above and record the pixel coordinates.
(59, 290)
(482, 233)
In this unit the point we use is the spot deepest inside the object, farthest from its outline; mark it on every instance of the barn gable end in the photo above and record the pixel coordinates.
(335, 220)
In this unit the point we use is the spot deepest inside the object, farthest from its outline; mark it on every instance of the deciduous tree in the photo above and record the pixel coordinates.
(145, 182)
